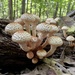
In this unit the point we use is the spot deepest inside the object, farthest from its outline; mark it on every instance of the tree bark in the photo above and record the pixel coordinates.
(55, 13)
(68, 7)
(10, 9)
(23, 7)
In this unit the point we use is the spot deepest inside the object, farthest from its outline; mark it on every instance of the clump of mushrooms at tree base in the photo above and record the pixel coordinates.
(29, 33)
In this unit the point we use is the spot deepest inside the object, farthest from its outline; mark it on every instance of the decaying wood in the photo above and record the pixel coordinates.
(11, 55)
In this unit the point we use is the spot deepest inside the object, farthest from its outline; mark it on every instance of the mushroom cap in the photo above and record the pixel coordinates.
(70, 38)
(34, 60)
(50, 21)
(43, 27)
(13, 27)
(64, 28)
(21, 36)
(57, 19)
(55, 40)
(26, 17)
(54, 28)
(41, 53)
(19, 20)
(37, 19)
(30, 54)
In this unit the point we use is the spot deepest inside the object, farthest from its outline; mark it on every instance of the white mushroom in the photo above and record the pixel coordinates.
(70, 38)
(57, 19)
(42, 30)
(50, 21)
(33, 42)
(13, 27)
(22, 38)
(20, 21)
(27, 19)
(53, 30)
(64, 28)
(34, 24)
(41, 53)
(55, 42)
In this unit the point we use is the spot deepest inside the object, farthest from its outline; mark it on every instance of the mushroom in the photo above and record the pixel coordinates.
(35, 60)
(41, 53)
(55, 42)
(64, 28)
(70, 38)
(50, 21)
(42, 30)
(27, 19)
(57, 19)
(13, 27)
(22, 38)
(20, 21)
(66, 74)
(30, 54)
(33, 42)
(53, 30)
(34, 23)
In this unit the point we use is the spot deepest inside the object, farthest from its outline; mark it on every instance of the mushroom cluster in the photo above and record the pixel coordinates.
(33, 36)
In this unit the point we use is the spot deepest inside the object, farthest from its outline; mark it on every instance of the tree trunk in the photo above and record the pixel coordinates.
(14, 9)
(72, 7)
(23, 7)
(10, 9)
(35, 7)
(31, 7)
(68, 7)
(27, 6)
(55, 13)
(17, 8)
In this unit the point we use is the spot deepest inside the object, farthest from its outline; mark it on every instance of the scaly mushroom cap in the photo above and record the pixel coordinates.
(57, 19)
(43, 27)
(54, 28)
(50, 21)
(37, 19)
(64, 28)
(41, 53)
(27, 17)
(55, 40)
(21, 36)
(19, 20)
(13, 27)
(70, 38)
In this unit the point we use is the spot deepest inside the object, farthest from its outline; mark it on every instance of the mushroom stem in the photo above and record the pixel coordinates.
(51, 51)
(41, 36)
(24, 47)
(27, 25)
(70, 43)
(34, 29)
(64, 33)
(45, 43)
